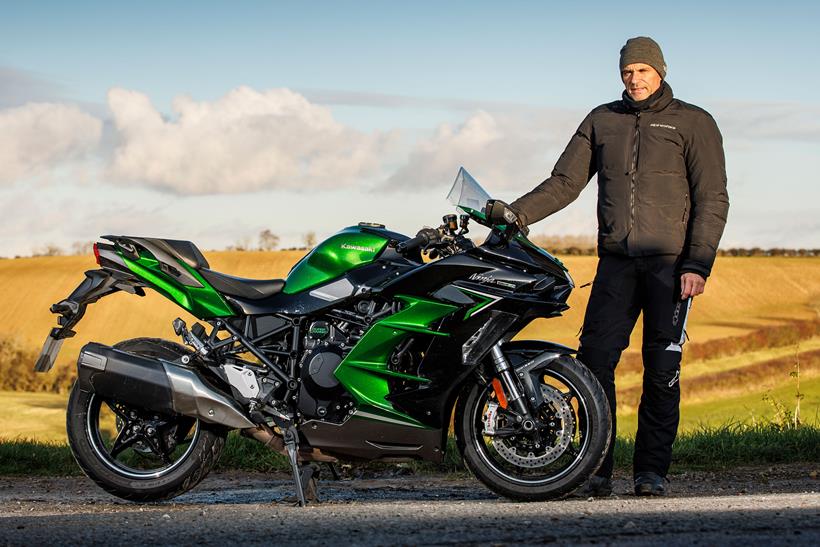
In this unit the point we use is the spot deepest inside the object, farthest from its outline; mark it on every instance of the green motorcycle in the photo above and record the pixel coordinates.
(366, 351)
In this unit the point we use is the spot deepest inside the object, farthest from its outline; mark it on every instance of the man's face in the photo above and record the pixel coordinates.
(640, 80)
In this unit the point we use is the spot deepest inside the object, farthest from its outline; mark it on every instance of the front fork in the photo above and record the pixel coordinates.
(517, 399)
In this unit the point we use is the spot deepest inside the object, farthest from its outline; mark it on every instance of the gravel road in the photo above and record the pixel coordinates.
(779, 505)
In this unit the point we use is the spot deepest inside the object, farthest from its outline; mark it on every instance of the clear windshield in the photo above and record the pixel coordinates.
(467, 193)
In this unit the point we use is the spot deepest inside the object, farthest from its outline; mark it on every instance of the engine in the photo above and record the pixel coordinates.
(326, 344)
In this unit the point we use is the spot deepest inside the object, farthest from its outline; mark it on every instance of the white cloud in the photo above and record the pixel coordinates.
(245, 141)
(504, 151)
(36, 138)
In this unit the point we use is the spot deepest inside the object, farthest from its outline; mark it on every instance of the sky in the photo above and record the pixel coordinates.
(213, 121)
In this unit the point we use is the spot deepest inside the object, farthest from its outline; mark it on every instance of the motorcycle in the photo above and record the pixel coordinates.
(365, 352)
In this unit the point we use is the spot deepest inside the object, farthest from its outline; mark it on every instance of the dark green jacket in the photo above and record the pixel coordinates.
(661, 180)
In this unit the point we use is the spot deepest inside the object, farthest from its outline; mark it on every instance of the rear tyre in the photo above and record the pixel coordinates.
(574, 427)
(136, 454)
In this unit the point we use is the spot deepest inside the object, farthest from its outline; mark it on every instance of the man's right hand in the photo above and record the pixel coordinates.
(498, 212)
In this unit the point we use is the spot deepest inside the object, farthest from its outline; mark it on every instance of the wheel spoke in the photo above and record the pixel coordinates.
(123, 441)
(158, 447)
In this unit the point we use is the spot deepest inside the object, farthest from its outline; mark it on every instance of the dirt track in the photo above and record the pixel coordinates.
(750, 506)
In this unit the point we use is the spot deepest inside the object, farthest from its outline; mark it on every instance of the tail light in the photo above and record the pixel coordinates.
(97, 255)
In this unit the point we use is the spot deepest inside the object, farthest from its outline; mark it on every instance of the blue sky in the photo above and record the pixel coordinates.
(213, 121)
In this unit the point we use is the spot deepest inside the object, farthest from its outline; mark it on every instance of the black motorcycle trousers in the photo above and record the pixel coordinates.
(623, 288)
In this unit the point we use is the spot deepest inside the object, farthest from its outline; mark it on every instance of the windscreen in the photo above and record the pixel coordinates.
(467, 193)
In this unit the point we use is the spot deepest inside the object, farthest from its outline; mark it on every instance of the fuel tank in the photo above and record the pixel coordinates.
(352, 247)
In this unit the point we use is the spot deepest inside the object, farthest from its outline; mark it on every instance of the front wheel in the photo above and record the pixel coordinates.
(550, 461)
(137, 454)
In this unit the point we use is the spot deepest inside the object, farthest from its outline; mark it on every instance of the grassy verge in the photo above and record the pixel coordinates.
(706, 448)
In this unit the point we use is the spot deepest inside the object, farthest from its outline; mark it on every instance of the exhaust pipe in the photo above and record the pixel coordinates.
(269, 438)
(156, 384)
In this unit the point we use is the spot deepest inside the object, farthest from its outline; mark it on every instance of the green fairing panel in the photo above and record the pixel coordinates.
(364, 371)
(203, 302)
(333, 257)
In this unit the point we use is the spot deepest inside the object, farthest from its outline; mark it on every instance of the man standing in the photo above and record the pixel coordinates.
(662, 206)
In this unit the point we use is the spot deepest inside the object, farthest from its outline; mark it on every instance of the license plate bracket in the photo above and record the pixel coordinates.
(48, 355)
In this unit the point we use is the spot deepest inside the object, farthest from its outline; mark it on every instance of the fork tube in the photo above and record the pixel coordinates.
(502, 366)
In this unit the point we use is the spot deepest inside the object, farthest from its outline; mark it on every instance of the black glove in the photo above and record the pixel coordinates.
(499, 212)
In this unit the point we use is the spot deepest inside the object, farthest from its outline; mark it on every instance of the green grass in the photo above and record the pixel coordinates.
(250, 455)
(707, 448)
(26, 457)
(734, 445)
(750, 409)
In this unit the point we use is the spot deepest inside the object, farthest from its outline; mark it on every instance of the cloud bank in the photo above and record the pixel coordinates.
(247, 140)
(37, 137)
(506, 151)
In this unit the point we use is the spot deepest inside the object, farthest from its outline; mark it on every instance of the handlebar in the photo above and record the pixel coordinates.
(422, 239)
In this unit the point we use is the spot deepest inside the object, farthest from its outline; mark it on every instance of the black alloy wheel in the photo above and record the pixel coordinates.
(136, 454)
(566, 445)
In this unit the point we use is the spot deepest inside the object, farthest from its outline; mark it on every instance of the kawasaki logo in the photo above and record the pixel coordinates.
(357, 248)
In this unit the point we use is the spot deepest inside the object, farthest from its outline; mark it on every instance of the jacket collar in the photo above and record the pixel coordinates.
(655, 102)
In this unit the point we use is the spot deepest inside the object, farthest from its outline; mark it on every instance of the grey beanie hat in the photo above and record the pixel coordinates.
(643, 50)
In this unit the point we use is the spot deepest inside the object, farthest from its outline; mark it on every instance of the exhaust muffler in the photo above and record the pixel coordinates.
(157, 385)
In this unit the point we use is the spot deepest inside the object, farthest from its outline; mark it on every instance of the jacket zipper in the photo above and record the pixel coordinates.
(634, 170)
(685, 207)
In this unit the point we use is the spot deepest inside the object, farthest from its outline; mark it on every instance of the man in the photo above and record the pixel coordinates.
(662, 206)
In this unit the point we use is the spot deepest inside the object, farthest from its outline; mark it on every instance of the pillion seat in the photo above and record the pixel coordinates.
(186, 251)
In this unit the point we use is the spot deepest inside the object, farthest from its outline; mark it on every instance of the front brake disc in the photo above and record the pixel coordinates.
(531, 457)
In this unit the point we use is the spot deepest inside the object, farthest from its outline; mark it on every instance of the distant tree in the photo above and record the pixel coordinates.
(243, 244)
(309, 239)
(82, 247)
(49, 250)
(268, 241)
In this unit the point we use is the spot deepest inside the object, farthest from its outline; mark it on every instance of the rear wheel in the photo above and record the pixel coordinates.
(138, 454)
(566, 445)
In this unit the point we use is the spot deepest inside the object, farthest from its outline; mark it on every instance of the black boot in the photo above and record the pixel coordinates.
(650, 484)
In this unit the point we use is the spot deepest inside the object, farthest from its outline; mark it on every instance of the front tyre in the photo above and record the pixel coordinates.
(569, 444)
(136, 454)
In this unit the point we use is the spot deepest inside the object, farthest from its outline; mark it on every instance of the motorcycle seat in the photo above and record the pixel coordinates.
(175, 248)
(252, 289)
(188, 252)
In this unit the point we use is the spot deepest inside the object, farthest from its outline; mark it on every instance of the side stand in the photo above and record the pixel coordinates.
(292, 445)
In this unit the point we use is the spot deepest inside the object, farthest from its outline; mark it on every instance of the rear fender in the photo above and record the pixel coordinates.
(97, 284)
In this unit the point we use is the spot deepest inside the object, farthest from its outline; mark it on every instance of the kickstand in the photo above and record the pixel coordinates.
(309, 482)
(292, 445)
